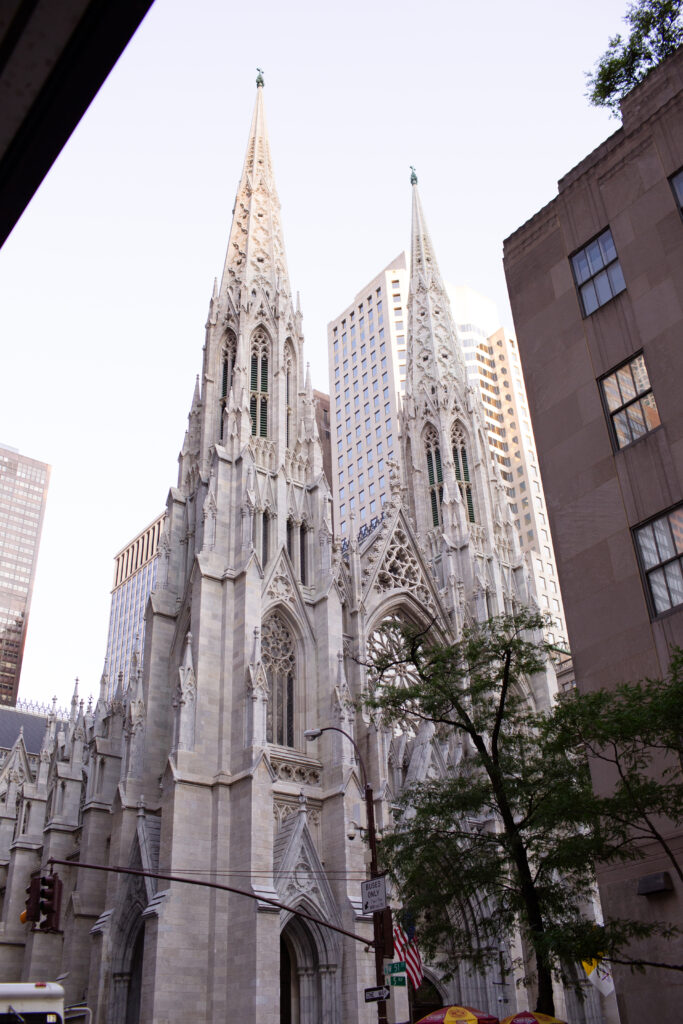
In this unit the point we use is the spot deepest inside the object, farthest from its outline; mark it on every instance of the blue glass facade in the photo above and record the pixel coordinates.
(134, 580)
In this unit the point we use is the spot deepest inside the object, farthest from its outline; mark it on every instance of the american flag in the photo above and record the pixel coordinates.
(406, 949)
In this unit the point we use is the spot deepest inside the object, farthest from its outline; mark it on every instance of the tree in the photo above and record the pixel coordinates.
(636, 734)
(508, 839)
(656, 32)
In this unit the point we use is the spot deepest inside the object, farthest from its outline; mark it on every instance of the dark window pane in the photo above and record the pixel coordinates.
(636, 420)
(594, 255)
(581, 268)
(658, 588)
(590, 299)
(616, 278)
(621, 428)
(640, 374)
(674, 578)
(648, 549)
(626, 385)
(603, 288)
(650, 411)
(676, 524)
(610, 388)
(665, 544)
(677, 182)
(609, 253)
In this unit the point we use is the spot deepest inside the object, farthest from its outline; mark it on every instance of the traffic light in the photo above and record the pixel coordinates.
(50, 902)
(31, 911)
(388, 933)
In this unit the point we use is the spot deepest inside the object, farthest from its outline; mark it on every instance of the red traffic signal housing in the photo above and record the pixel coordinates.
(31, 911)
(50, 902)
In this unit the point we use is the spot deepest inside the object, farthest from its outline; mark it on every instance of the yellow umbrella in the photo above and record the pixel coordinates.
(458, 1015)
(531, 1017)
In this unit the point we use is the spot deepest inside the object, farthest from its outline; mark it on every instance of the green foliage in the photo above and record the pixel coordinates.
(636, 734)
(656, 32)
(509, 837)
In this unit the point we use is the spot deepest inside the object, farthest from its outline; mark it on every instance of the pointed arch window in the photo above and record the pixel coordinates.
(462, 471)
(290, 385)
(279, 661)
(303, 554)
(265, 537)
(259, 384)
(227, 369)
(434, 475)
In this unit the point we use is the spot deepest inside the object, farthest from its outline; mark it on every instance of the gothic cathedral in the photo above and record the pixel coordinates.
(259, 629)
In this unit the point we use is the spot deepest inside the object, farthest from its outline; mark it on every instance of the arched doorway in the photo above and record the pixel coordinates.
(135, 979)
(310, 989)
(425, 1000)
(289, 985)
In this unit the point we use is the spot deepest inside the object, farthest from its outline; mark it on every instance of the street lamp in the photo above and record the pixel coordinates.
(377, 917)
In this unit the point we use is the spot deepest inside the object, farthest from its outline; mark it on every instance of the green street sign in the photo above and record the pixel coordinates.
(396, 968)
(398, 979)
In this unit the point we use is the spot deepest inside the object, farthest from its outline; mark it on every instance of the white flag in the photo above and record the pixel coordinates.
(599, 974)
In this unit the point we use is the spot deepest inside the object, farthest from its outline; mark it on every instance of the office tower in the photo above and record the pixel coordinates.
(596, 287)
(322, 419)
(255, 635)
(367, 354)
(135, 568)
(367, 400)
(23, 492)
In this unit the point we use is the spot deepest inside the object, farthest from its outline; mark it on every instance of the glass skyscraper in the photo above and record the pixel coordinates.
(135, 574)
(23, 491)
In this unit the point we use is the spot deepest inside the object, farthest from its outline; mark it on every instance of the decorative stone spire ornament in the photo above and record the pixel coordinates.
(187, 696)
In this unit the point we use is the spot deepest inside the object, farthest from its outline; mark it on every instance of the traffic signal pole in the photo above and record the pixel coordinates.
(378, 916)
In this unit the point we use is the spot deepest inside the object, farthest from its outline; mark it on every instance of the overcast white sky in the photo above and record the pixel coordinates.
(105, 281)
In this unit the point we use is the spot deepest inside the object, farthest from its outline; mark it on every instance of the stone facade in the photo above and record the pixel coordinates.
(259, 628)
(611, 456)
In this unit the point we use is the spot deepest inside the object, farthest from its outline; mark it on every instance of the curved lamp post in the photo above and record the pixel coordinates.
(377, 917)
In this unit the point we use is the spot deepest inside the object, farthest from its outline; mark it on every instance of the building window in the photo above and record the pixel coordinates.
(660, 546)
(629, 402)
(258, 385)
(289, 389)
(462, 471)
(597, 272)
(677, 186)
(303, 554)
(227, 368)
(279, 662)
(434, 475)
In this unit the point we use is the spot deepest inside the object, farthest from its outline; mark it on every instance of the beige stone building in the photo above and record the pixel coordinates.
(259, 628)
(596, 286)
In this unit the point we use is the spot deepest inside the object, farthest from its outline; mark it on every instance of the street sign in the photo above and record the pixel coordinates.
(373, 894)
(398, 979)
(377, 995)
(397, 968)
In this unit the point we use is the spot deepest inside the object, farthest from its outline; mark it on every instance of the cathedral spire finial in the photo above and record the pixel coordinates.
(259, 78)
(413, 175)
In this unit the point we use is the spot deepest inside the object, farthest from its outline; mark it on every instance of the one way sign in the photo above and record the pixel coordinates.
(376, 995)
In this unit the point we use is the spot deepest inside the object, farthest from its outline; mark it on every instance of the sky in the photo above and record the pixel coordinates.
(106, 279)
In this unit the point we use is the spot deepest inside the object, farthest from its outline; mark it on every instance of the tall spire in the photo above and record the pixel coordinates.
(434, 355)
(256, 251)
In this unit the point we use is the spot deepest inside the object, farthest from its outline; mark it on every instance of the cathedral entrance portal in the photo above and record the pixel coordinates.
(309, 983)
(134, 988)
(289, 988)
